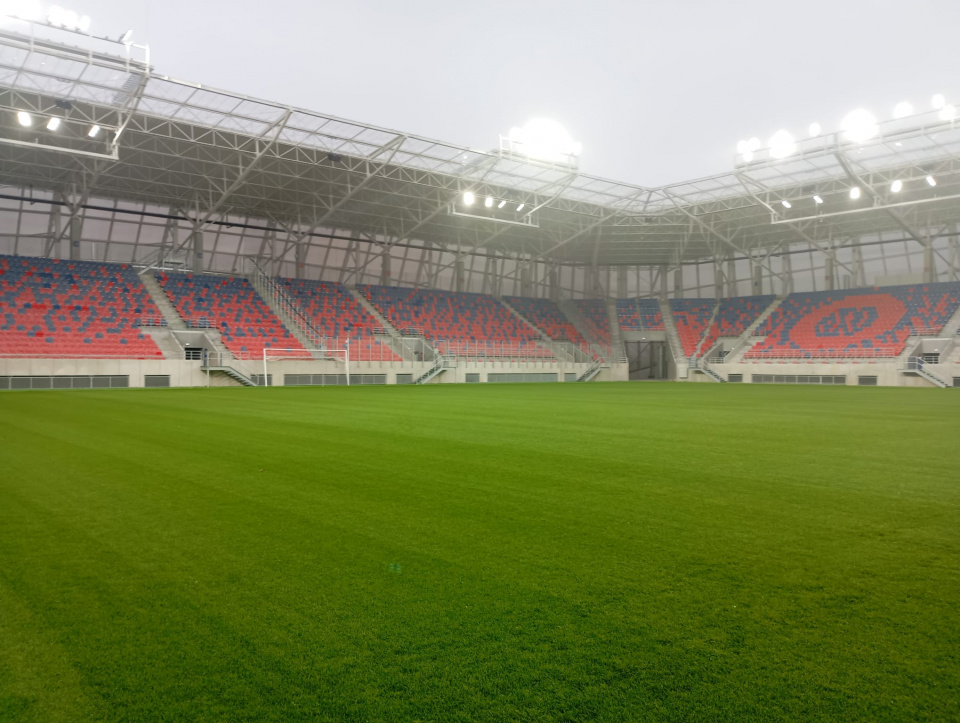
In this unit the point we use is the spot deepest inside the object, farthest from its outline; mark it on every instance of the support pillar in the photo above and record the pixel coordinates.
(622, 282)
(829, 270)
(757, 279)
(663, 282)
(554, 284)
(731, 277)
(678, 283)
(75, 230)
(196, 250)
(385, 260)
(300, 256)
(458, 270)
(786, 267)
(929, 265)
(526, 288)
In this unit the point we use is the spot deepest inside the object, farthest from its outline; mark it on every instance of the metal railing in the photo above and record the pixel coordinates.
(815, 355)
(151, 321)
(272, 291)
(495, 351)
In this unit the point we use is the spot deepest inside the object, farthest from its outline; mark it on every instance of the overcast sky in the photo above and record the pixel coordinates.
(657, 92)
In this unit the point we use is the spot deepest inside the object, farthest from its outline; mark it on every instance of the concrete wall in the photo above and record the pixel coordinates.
(887, 372)
(189, 373)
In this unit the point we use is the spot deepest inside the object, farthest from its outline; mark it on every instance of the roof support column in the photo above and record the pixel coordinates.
(830, 270)
(929, 264)
(731, 277)
(621, 282)
(196, 249)
(53, 233)
(554, 284)
(76, 229)
(786, 278)
(678, 283)
(300, 258)
(526, 288)
(859, 279)
(385, 260)
(717, 279)
(757, 279)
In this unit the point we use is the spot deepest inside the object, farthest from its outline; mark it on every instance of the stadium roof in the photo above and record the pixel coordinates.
(209, 154)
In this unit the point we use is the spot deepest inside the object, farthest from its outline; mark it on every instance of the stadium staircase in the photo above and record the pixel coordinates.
(673, 339)
(572, 313)
(747, 338)
(225, 363)
(407, 349)
(558, 350)
(702, 365)
(592, 371)
(285, 307)
(440, 365)
(706, 331)
(618, 351)
(916, 366)
(159, 296)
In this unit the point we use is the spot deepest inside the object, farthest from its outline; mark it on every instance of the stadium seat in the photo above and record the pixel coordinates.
(547, 316)
(854, 323)
(593, 312)
(232, 306)
(734, 316)
(466, 324)
(60, 308)
(691, 317)
(335, 313)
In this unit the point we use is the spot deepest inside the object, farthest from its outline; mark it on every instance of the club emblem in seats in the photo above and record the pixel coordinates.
(846, 321)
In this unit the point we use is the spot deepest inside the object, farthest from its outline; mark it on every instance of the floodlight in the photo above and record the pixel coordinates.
(938, 101)
(855, 193)
(747, 156)
(25, 119)
(125, 38)
(815, 130)
(501, 204)
(786, 204)
(53, 123)
(896, 186)
(753, 144)
(782, 144)
(545, 140)
(859, 126)
(931, 181)
(520, 207)
(468, 198)
(902, 110)
(93, 131)
(818, 199)
(742, 146)
(23, 9)
(948, 112)
(489, 202)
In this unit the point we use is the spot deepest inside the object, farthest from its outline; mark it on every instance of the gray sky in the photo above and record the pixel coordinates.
(657, 92)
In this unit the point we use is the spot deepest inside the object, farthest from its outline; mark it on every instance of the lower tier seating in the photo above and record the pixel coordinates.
(51, 307)
(733, 317)
(547, 316)
(594, 315)
(854, 323)
(231, 305)
(691, 317)
(468, 324)
(628, 315)
(334, 312)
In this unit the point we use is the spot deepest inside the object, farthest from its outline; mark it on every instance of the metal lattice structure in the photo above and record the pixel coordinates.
(191, 159)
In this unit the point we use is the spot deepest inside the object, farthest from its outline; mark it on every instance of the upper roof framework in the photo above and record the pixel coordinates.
(213, 154)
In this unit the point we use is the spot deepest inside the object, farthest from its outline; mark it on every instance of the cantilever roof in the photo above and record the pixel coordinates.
(208, 153)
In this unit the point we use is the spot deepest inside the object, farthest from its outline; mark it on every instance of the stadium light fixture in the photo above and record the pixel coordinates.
(938, 101)
(896, 186)
(489, 202)
(948, 112)
(501, 204)
(545, 140)
(786, 204)
(24, 119)
(69, 19)
(855, 193)
(859, 126)
(468, 198)
(931, 181)
(817, 200)
(782, 145)
(23, 9)
(520, 207)
(53, 123)
(94, 130)
(125, 38)
(814, 130)
(902, 110)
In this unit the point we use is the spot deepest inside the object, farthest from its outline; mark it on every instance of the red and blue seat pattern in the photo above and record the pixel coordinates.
(334, 312)
(691, 317)
(474, 322)
(547, 316)
(854, 323)
(51, 307)
(650, 315)
(231, 305)
(628, 315)
(594, 315)
(733, 317)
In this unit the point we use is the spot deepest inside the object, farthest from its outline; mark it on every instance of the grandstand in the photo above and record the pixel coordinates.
(506, 521)
(160, 273)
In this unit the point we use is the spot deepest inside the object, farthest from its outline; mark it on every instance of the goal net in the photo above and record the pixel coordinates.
(309, 362)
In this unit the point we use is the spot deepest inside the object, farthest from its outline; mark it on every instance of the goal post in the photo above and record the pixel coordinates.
(301, 355)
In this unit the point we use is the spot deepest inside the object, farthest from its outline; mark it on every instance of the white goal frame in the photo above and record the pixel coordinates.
(315, 355)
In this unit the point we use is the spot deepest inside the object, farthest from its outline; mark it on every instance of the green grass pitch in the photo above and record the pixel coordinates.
(556, 552)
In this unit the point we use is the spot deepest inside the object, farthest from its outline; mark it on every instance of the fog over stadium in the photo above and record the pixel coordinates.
(657, 92)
